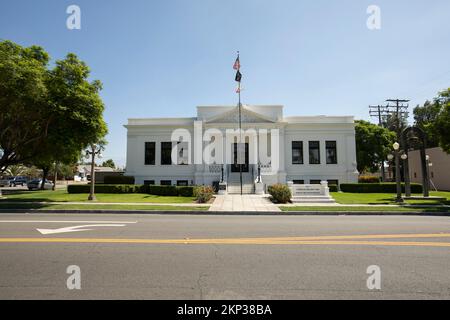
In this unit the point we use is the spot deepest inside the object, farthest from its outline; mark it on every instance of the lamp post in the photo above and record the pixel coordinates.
(95, 150)
(404, 157)
(428, 178)
(396, 147)
(390, 157)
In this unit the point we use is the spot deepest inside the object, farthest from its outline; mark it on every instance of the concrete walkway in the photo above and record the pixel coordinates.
(244, 203)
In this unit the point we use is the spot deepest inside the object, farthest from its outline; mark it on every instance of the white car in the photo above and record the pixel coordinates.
(36, 184)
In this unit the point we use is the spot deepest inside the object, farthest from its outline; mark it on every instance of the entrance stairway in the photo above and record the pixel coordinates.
(234, 186)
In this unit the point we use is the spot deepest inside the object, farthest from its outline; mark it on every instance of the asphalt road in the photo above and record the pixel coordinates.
(223, 257)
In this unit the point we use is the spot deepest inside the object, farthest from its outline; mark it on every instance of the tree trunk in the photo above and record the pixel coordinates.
(55, 176)
(44, 176)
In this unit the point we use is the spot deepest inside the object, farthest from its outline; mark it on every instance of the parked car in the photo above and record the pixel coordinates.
(6, 182)
(36, 184)
(18, 181)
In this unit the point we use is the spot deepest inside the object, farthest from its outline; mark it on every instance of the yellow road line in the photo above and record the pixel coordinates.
(224, 242)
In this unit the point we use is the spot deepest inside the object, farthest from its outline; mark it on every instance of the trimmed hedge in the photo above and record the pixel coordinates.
(106, 188)
(125, 188)
(333, 188)
(118, 180)
(378, 187)
(369, 179)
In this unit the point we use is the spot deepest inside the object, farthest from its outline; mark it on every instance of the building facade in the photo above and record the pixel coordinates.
(270, 148)
(438, 168)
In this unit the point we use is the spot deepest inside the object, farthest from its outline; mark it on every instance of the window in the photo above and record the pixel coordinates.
(333, 182)
(166, 182)
(166, 153)
(331, 152)
(315, 181)
(150, 154)
(297, 152)
(149, 182)
(314, 152)
(182, 183)
(298, 181)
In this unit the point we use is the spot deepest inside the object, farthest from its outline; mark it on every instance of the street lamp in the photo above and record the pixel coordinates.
(396, 147)
(95, 150)
(404, 157)
(390, 157)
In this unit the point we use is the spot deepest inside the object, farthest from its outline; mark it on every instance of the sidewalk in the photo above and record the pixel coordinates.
(244, 203)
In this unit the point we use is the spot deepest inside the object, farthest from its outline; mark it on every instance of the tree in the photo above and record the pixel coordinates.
(48, 116)
(25, 115)
(373, 144)
(425, 117)
(78, 114)
(443, 120)
(109, 163)
(434, 119)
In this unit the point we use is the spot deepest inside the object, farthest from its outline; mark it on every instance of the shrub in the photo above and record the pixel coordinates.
(369, 179)
(163, 190)
(378, 187)
(114, 179)
(333, 188)
(126, 188)
(106, 188)
(185, 191)
(203, 193)
(280, 193)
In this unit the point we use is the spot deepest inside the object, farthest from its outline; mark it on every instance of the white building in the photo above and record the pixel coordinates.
(310, 149)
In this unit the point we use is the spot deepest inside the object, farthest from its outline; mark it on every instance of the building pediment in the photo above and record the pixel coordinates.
(232, 116)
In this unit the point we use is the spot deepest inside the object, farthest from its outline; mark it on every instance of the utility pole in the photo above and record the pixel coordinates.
(376, 111)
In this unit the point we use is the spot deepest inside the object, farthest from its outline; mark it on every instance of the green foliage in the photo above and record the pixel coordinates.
(280, 193)
(47, 115)
(434, 119)
(333, 188)
(443, 121)
(163, 190)
(377, 187)
(24, 116)
(373, 144)
(203, 193)
(369, 179)
(114, 179)
(109, 163)
(127, 188)
(106, 188)
(185, 191)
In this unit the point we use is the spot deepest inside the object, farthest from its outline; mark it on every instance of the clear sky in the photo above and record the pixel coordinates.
(162, 58)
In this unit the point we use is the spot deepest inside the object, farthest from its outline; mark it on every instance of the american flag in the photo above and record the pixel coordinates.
(237, 64)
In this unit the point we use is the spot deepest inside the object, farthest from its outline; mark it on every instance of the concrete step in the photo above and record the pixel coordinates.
(313, 199)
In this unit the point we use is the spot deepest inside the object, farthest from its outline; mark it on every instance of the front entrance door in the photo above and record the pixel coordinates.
(235, 167)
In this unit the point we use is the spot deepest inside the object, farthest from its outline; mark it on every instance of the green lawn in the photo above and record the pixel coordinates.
(367, 209)
(383, 198)
(50, 206)
(63, 196)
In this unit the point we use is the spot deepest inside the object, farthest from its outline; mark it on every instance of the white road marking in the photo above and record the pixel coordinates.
(77, 228)
(63, 221)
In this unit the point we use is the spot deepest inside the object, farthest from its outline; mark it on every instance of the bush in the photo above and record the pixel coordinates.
(185, 191)
(369, 179)
(163, 190)
(106, 188)
(203, 193)
(118, 180)
(333, 188)
(280, 193)
(378, 187)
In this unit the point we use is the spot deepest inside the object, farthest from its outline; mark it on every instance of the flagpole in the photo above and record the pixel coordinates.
(240, 138)
(240, 129)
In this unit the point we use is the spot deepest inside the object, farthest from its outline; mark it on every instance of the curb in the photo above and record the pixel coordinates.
(232, 213)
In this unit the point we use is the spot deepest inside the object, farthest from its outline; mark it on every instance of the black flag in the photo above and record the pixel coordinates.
(238, 76)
